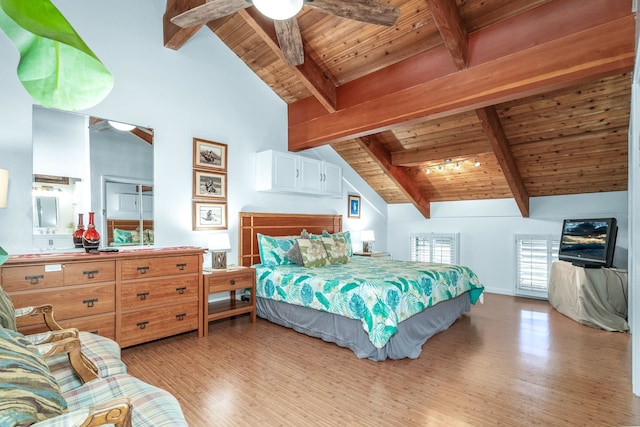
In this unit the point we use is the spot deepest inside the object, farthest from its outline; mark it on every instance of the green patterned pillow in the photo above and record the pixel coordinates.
(122, 237)
(7, 312)
(28, 391)
(347, 238)
(313, 253)
(273, 250)
(336, 248)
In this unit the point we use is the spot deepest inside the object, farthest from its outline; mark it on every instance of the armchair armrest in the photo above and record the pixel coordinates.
(114, 411)
(46, 310)
(85, 369)
(51, 336)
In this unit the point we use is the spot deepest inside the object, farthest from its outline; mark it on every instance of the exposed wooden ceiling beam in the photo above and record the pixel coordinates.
(401, 176)
(309, 73)
(174, 36)
(599, 51)
(419, 156)
(145, 136)
(495, 134)
(447, 18)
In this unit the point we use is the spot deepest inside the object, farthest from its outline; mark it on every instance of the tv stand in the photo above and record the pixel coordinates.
(596, 297)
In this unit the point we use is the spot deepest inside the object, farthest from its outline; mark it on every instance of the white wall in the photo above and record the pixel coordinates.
(488, 227)
(202, 90)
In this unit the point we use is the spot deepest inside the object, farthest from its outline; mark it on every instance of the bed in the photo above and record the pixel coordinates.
(376, 321)
(126, 232)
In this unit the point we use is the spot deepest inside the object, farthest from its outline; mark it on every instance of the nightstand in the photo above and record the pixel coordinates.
(373, 254)
(229, 280)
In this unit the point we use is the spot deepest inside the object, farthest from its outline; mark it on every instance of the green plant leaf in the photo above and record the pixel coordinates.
(56, 67)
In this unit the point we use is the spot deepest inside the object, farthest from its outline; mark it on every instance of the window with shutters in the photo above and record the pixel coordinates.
(534, 255)
(431, 247)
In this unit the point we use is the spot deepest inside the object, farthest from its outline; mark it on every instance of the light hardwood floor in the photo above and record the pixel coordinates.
(511, 361)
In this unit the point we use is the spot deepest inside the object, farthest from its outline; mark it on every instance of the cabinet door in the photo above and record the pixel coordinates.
(310, 172)
(285, 172)
(331, 180)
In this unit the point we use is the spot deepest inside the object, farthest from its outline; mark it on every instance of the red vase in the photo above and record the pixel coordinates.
(91, 237)
(77, 235)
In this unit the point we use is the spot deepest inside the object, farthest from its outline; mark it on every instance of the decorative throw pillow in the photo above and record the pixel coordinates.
(347, 239)
(28, 391)
(294, 254)
(336, 249)
(313, 253)
(273, 250)
(122, 237)
(7, 311)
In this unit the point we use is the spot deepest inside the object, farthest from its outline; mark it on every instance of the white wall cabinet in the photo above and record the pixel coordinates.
(290, 173)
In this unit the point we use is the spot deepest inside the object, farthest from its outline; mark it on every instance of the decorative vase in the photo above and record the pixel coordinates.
(91, 237)
(77, 235)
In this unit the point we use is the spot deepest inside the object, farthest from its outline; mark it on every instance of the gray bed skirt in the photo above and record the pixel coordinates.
(405, 343)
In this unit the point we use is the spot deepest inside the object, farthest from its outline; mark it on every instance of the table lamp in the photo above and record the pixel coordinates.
(219, 244)
(367, 237)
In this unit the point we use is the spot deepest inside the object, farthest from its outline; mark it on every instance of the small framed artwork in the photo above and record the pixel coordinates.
(209, 185)
(354, 206)
(209, 216)
(209, 155)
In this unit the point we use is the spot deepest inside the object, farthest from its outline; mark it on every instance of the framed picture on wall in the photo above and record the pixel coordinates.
(209, 216)
(209, 185)
(354, 207)
(209, 155)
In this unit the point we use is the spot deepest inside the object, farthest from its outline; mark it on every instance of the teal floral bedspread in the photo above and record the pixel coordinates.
(380, 292)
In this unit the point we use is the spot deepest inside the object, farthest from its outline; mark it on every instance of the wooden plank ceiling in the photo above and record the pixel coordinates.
(494, 98)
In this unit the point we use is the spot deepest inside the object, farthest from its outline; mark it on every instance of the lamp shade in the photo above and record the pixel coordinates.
(367, 236)
(4, 187)
(219, 242)
(278, 9)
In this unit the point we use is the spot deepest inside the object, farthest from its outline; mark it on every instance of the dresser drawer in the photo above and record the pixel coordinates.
(101, 324)
(161, 266)
(32, 277)
(76, 301)
(146, 293)
(231, 280)
(159, 322)
(89, 272)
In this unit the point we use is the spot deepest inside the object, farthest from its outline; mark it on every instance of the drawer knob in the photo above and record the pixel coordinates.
(90, 302)
(232, 282)
(181, 290)
(90, 274)
(33, 280)
(142, 295)
(143, 270)
(181, 266)
(142, 325)
(181, 316)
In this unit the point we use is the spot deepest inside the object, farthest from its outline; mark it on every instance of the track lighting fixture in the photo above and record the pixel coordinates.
(457, 164)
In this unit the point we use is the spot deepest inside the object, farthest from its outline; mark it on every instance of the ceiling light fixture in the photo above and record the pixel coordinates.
(121, 126)
(278, 9)
(457, 165)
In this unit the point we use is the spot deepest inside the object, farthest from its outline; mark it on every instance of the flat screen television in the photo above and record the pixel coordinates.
(588, 242)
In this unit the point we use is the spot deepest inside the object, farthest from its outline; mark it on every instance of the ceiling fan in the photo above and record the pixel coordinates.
(285, 23)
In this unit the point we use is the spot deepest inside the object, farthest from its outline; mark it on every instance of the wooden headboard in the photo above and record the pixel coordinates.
(273, 224)
(125, 224)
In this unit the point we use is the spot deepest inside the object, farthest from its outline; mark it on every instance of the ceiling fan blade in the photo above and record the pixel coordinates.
(369, 11)
(209, 11)
(290, 40)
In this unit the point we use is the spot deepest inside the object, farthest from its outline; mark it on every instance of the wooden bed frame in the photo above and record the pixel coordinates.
(276, 224)
(125, 224)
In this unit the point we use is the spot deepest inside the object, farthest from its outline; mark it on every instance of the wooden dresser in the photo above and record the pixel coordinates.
(132, 296)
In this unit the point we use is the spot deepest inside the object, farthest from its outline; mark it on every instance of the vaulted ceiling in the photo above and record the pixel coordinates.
(537, 92)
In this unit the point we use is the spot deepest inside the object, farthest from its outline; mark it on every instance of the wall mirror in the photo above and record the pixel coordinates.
(89, 164)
